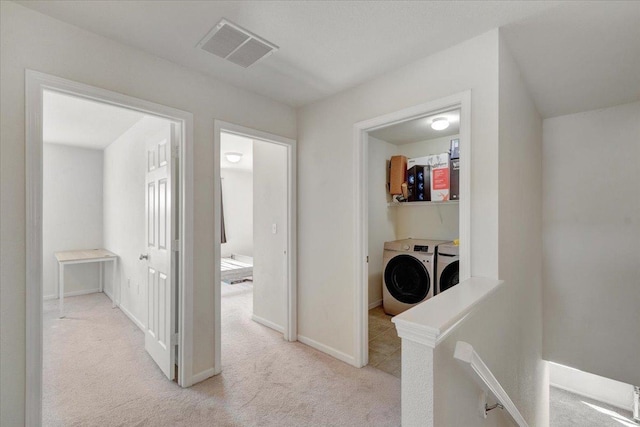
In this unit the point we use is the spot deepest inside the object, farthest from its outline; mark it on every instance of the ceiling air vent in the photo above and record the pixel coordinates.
(232, 42)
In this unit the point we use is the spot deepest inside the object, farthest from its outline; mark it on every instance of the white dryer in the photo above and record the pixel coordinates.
(448, 265)
(408, 276)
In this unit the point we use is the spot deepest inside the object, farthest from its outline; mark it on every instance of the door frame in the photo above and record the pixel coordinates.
(291, 326)
(35, 83)
(460, 100)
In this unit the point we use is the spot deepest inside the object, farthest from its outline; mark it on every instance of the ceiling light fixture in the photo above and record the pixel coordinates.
(233, 157)
(440, 123)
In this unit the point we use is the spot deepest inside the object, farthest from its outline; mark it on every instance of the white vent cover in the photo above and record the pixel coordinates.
(232, 42)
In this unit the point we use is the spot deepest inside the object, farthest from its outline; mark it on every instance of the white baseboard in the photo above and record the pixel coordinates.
(267, 323)
(131, 317)
(73, 293)
(207, 373)
(328, 350)
(611, 392)
(107, 293)
(375, 304)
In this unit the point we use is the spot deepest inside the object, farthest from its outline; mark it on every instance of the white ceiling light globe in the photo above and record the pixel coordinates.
(440, 124)
(233, 157)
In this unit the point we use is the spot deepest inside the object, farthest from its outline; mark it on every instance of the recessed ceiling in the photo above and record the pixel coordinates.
(582, 56)
(574, 55)
(70, 120)
(236, 144)
(418, 129)
(325, 47)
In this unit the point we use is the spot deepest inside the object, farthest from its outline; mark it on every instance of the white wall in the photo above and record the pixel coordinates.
(591, 234)
(440, 222)
(269, 209)
(72, 215)
(237, 198)
(29, 39)
(506, 331)
(326, 229)
(382, 218)
(124, 213)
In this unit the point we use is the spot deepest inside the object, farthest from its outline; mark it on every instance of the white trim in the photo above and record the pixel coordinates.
(375, 304)
(267, 323)
(482, 375)
(606, 390)
(131, 317)
(35, 84)
(434, 320)
(291, 326)
(328, 350)
(72, 294)
(201, 376)
(361, 221)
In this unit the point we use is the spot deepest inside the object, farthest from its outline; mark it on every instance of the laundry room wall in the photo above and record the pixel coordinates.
(382, 218)
(440, 222)
(326, 230)
(31, 40)
(125, 165)
(270, 234)
(591, 234)
(71, 215)
(326, 236)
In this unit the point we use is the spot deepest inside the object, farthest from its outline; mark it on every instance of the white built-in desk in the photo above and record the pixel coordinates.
(85, 256)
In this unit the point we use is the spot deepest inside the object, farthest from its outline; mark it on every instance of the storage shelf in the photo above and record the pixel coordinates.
(448, 202)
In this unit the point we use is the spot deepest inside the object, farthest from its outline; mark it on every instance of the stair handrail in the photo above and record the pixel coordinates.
(482, 375)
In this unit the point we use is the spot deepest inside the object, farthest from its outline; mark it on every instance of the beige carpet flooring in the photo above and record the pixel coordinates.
(96, 373)
(571, 410)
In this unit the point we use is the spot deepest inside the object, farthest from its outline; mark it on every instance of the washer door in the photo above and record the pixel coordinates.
(407, 279)
(449, 276)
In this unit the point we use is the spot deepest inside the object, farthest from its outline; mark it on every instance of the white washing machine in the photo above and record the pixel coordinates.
(408, 276)
(448, 265)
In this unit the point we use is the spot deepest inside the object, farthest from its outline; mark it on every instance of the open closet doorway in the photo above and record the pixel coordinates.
(255, 207)
(413, 216)
(109, 289)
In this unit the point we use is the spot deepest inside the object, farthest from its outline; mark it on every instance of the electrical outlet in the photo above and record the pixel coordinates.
(274, 228)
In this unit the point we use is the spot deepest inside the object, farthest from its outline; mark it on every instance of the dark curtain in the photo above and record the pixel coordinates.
(223, 231)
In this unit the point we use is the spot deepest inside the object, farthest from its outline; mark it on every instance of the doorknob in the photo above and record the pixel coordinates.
(144, 256)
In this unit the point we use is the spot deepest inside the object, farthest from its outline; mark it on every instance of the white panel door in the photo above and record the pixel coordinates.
(161, 284)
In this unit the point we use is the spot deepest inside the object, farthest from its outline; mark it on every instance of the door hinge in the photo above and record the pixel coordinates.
(175, 246)
(175, 152)
(175, 338)
(367, 259)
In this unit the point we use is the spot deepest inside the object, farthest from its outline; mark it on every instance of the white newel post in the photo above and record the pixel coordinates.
(422, 328)
(417, 384)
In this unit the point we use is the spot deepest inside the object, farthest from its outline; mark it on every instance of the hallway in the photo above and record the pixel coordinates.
(96, 373)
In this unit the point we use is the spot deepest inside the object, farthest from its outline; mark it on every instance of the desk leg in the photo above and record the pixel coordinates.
(116, 292)
(61, 288)
(101, 275)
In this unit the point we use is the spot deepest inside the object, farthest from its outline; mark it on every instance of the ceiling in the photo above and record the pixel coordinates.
(575, 55)
(236, 144)
(418, 129)
(579, 57)
(80, 122)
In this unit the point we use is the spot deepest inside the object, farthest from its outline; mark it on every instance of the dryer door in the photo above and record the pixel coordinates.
(407, 279)
(449, 276)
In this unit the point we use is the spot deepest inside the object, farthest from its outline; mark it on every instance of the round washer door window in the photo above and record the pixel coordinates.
(407, 279)
(449, 277)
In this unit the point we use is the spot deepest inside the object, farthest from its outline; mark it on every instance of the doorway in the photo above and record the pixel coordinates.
(176, 239)
(363, 130)
(256, 172)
